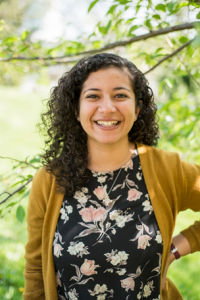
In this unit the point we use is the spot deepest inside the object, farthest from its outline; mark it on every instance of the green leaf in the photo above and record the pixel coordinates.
(11, 204)
(183, 39)
(123, 2)
(198, 16)
(92, 4)
(148, 23)
(20, 213)
(108, 26)
(26, 194)
(133, 28)
(187, 130)
(157, 17)
(24, 35)
(170, 6)
(111, 10)
(160, 7)
(196, 42)
(35, 160)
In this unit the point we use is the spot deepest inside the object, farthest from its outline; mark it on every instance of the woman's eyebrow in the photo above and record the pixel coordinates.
(121, 88)
(116, 88)
(92, 89)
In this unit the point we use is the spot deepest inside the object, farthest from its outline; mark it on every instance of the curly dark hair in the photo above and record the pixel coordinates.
(66, 153)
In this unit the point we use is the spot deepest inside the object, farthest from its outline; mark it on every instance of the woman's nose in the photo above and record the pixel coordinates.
(107, 105)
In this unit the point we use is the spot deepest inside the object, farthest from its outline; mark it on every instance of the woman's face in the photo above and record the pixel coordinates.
(107, 108)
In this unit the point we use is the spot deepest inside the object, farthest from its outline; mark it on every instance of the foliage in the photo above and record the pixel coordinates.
(163, 39)
(148, 32)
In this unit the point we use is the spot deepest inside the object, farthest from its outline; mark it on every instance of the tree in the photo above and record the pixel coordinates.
(161, 37)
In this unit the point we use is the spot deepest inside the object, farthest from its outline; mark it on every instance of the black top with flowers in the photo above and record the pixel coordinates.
(112, 251)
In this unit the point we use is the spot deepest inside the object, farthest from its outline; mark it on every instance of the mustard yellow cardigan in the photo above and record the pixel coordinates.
(173, 186)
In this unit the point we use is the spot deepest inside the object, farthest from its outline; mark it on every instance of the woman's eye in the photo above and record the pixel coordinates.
(121, 96)
(92, 96)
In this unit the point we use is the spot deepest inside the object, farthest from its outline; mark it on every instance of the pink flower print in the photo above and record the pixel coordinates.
(128, 283)
(100, 193)
(57, 250)
(88, 267)
(98, 214)
(86, 214)
(133, 194)
(58, 282)
(143, 241)
(92, 214)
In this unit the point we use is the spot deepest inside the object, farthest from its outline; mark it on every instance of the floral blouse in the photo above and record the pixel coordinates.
(113, 251)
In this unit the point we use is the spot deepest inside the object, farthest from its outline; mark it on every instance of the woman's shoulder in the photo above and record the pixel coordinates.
(43, 176)
(151, 151)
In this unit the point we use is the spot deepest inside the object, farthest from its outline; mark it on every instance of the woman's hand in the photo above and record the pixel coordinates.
(184, 248)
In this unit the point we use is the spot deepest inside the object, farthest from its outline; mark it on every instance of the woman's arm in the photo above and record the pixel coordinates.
(183, 246)
(34, 287)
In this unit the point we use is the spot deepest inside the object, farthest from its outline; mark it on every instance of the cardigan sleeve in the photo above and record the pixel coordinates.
(191, 198)
(34, 288)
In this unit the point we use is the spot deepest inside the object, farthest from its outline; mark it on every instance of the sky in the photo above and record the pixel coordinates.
(65, 18)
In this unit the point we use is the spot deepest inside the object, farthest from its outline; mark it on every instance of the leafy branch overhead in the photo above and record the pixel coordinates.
(110, 46)
(162, 35)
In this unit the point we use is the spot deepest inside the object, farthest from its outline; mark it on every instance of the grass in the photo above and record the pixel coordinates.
(18, 116)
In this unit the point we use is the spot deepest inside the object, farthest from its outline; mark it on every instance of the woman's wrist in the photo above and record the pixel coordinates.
(174, 251)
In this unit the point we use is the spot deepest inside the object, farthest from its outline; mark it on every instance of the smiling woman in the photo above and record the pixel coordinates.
(103, 208)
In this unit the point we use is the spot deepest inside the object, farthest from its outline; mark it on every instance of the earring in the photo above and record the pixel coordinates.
(78, 118)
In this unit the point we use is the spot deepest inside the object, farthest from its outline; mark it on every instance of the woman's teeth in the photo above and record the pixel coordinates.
(107, 123)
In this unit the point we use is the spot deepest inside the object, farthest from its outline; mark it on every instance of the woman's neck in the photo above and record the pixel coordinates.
(105, 158)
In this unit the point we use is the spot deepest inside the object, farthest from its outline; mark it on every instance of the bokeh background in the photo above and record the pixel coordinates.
(56, 28)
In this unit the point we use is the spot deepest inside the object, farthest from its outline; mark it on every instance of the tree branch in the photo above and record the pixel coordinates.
(170, 55)
(16, 191)
(19, 161)
(110, 46)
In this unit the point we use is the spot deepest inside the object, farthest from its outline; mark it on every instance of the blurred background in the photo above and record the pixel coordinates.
(42, 39)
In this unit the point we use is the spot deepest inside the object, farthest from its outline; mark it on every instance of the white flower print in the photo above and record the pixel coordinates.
(101, 291)
(145, 290)
(120, 219)
(147, 206)
(117, 258)
(158, 237)
(85, 190)
(72, 250)
(65, 211)
(121, 272)
(73, 295)
(69, 209)
(114, 214)
(82, 197)
(78, 248)
(139, 175)
(101, 179)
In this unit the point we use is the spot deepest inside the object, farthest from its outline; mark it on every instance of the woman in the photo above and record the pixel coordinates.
(102, 210)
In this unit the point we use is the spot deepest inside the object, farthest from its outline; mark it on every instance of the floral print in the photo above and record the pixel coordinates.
(106, 252)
